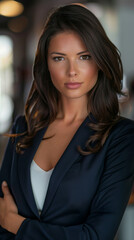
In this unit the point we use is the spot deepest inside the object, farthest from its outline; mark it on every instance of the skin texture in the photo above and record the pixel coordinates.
(70, 63)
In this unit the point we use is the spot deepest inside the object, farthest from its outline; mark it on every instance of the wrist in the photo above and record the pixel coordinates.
(14, 222)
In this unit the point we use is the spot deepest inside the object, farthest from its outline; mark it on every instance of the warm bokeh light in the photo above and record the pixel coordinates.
(18, 24)
(5, 52)
(10, 8)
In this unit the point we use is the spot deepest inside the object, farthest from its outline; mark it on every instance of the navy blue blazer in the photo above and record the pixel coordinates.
(86, 196)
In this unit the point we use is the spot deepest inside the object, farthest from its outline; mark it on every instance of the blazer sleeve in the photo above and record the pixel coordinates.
(108, 204)
(5, 175)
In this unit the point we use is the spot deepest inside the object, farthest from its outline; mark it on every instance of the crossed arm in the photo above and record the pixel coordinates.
(9, 217)
(96, 227)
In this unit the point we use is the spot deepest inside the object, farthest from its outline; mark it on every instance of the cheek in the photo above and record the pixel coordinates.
(56, 77)
(89, 69)
(92, 75)
(55, 70)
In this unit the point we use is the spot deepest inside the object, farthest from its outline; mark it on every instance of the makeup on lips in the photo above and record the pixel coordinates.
(73, 85)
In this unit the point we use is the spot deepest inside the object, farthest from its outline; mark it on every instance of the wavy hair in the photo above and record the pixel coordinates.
(42, 104)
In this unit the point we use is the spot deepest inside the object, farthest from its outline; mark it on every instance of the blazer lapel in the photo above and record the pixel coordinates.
(24, 162)
(69, 156)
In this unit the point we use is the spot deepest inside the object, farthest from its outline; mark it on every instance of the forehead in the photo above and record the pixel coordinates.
(66, 41)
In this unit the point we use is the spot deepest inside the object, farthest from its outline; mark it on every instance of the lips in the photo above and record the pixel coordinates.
(73, 85)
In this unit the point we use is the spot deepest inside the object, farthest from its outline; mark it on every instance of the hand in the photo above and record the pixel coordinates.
(9, 217)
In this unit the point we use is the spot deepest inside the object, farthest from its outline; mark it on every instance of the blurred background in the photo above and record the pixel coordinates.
(21, 23)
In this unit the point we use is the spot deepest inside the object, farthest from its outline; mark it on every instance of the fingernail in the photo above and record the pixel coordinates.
(4, 183)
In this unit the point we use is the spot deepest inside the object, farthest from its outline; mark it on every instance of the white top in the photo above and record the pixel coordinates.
(39, 181)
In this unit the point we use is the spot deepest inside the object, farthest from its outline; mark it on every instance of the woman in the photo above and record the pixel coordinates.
(69, 171)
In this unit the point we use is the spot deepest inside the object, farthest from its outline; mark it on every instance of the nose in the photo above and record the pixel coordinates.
(72, 69)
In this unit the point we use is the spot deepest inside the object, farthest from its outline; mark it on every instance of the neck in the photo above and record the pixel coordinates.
(71, 110)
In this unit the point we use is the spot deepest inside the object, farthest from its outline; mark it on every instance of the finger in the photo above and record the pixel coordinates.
(5, 188)
(6, 192)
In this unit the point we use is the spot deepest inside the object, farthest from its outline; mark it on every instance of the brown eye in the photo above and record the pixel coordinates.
(58, 59)
(85, 57)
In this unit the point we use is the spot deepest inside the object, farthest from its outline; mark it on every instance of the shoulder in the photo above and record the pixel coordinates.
(126, 122)
(120, 147)
(124, 127)
(121, 140)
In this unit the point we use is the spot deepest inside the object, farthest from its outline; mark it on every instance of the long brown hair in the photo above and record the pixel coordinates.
(42, 103)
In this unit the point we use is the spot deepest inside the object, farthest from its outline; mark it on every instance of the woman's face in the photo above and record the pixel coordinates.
(72, 69)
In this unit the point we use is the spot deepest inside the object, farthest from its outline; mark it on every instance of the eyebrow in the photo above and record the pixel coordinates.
(63, 54)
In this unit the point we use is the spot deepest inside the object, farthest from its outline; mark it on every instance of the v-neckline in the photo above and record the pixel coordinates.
(81, 124)
(38, 168)
(62, 166)
(61, 161)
